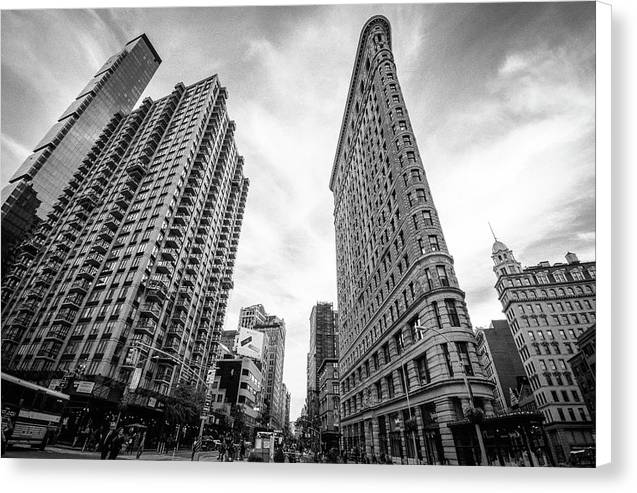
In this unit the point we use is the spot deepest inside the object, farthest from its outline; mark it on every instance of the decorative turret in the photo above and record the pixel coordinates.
(503, 258)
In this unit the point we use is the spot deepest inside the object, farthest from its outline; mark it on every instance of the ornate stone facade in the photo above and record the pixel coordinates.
(403, 322)
(548, 307)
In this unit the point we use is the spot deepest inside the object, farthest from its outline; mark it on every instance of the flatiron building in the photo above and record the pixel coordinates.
(403, 322)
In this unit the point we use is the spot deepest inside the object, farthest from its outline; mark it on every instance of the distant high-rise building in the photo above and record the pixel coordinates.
(329, 403)
(274, 327)
(323, 344)
(137, 255)
(229, 339)
(548, 307)
(236, 391)
(35, 187)
(249, 316)
(255, 317)
(403, 322)
(501, 363)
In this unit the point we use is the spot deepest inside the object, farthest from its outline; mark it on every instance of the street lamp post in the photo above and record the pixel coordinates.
(483, 451)
(411, 417)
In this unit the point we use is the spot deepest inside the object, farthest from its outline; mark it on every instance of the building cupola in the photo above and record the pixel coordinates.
(503, 259)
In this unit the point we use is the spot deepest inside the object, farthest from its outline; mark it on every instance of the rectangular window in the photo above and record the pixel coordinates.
(422, 366)
(463, 352)
(429, 278)
(399, 341)
(433, 243)
(390, 385)
(452, 312)
(427, 219)
(434, 304)
(421, 246)
(442, 275)
(445, 353)
(386, 355)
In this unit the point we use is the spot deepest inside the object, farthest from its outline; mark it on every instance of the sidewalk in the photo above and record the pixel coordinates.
(149, 454)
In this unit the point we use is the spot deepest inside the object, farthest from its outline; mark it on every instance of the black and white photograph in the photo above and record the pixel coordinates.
(360, 234)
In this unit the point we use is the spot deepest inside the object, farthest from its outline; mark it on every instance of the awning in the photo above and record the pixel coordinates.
(513, 418)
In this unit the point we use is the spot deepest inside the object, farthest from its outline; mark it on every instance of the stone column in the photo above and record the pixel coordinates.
(446, 413)
(376, 436)
(369, 437)
(404, 436)
(395, 376)
(420, 431)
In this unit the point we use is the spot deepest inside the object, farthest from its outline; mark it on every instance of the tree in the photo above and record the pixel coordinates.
(184, 406)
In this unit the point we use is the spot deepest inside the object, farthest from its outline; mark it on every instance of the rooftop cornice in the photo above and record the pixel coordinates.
(362, 42)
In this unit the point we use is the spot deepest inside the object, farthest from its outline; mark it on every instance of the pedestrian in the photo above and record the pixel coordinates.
(128, 444)
(116, 444)
(231, 452)
(140, 446)
(86, 435)
(131, 442)
(91, 440)
(161, 445)
(242, 450)
(196, 447)
(222, 451)
(106, 444)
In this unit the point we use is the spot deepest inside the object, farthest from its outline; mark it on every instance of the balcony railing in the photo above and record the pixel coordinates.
(150, 309)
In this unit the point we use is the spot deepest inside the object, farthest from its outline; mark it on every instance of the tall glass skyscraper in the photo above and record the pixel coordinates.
(36, 185)
(132, 268)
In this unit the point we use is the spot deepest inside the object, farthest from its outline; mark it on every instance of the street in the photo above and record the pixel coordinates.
(53, 452)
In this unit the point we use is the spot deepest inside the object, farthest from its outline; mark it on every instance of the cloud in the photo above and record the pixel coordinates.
(17, 152)
(501, 98)
(522, 156)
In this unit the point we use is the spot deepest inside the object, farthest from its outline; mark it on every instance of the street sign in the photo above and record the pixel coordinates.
(84, 387)
(136, 377)
(210, 376)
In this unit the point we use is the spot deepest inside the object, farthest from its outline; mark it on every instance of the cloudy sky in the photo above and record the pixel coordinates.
(501, 98)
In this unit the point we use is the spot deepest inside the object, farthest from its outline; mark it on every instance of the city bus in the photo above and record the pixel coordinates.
(31, 414)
